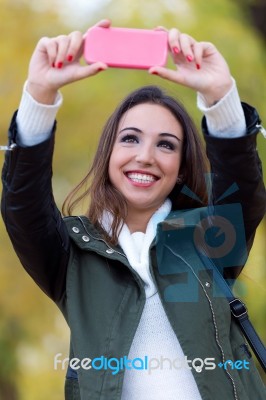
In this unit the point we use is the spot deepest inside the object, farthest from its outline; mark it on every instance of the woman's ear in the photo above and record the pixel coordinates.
(179, 179)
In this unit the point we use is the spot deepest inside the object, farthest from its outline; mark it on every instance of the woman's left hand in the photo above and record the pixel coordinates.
(200, 67)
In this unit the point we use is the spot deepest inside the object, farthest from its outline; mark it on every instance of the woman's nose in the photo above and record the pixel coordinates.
(145, 155)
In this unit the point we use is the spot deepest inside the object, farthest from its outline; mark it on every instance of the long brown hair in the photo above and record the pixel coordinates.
(104, 196)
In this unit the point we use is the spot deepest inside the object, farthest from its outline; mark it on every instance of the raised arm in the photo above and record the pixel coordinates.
(199, 66)
(33, 222)
(230, 128)
(56, 63)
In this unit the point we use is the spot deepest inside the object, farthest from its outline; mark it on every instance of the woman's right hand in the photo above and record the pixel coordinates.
(55, 63)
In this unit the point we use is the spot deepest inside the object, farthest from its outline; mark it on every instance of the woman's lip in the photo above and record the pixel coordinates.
(144, 184)
(141, 184)
(141, 173)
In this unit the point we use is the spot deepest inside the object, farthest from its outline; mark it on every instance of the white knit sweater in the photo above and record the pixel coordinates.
(154, 337)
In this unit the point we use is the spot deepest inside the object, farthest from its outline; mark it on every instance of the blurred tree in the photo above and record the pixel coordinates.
(255, 12)
(19, 323)
(11, 335)
(30, 330)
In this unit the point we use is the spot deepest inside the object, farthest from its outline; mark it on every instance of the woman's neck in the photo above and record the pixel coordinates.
(138, 221)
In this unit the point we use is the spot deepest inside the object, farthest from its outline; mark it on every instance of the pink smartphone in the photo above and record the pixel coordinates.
(126, 48)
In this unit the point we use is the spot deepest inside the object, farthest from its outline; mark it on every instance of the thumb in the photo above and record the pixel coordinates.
(169, 74)
(90, 70)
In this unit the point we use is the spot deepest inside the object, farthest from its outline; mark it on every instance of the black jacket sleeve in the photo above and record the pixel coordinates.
(236, 162)
(32, 220)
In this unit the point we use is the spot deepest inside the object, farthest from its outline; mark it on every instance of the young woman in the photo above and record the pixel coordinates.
(107, 270)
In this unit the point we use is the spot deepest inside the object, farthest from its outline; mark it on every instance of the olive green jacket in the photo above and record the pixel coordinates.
(104, 302)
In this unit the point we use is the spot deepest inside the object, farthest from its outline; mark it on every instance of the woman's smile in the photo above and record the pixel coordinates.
(141, 178)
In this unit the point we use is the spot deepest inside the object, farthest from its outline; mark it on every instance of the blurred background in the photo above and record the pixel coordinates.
(32, 330)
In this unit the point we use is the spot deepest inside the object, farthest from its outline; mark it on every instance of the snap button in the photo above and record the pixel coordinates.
(207, 284)
(85, 238)
(110, 251)
(75, 229)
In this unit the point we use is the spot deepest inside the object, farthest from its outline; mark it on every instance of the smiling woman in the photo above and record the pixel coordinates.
(109, 271)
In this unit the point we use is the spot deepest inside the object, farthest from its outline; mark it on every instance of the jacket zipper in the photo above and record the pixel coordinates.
(8, 148)
(261, 129)
(256, 126)
(213, 318)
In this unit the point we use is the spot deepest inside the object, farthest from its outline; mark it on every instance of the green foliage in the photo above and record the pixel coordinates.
(31, 332)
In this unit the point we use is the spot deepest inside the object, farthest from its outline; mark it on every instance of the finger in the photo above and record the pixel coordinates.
(49, 48)
(202, 50)
(90, 70)
(75, 48)
(62, 50)
(198, 53)
(168, 74)
(160, 28)
(186, 44)
(104, 23)
(173, 40)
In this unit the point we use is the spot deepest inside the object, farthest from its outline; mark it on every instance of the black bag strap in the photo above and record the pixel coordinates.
(239, 312)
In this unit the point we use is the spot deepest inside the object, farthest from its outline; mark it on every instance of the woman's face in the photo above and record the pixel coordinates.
(146, 156)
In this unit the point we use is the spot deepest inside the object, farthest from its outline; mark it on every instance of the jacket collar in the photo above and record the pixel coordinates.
(88, 238)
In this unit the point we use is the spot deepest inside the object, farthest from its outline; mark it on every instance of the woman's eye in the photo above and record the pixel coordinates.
(167, 145)
(129, 139)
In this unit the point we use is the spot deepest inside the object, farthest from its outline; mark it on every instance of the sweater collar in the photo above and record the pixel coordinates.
(138, 257)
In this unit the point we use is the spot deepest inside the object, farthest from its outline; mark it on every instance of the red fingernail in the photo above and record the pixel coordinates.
(59, 64)
(53, 65)
(154, 73)
(176, 50)
(100, 69)
(198, 66)
(189, 58)
(69, 58)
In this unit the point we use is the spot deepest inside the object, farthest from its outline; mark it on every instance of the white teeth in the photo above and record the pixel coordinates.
(141, 178)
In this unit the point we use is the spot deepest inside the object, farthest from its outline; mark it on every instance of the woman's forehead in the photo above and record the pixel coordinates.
(150, 116)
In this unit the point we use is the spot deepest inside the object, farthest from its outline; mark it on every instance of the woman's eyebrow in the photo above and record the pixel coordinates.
(132, 128)
(170, 135)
